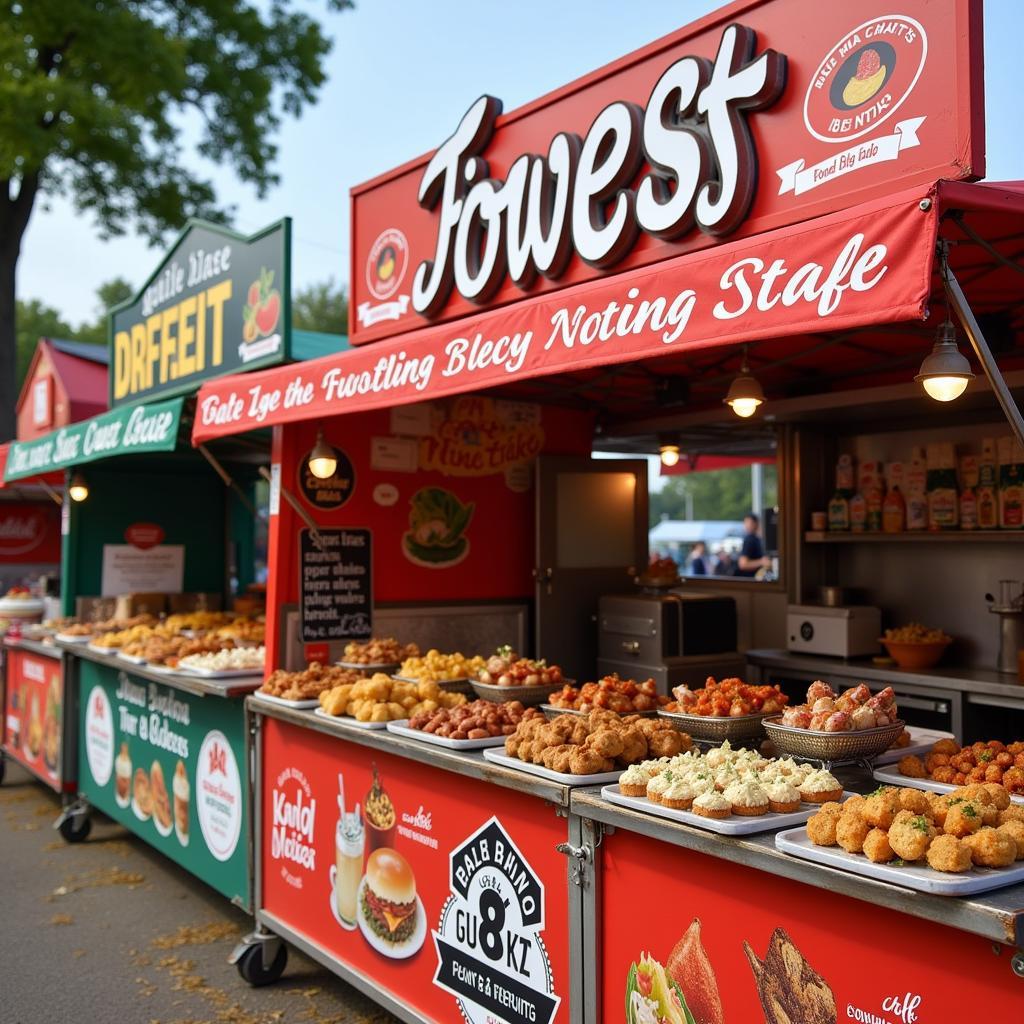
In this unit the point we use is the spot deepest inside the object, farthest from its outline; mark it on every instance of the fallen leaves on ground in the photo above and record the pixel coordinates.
(197, 935)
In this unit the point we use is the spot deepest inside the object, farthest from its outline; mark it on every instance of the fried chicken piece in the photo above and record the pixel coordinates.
(877, 848)
(1015, 812)
(634, 746)
(1015, 830)
(586, 762)
(991, 848)
(949, 854)
(1000, 797)
(821, 828)
(915, 800)
(851, 831)
(963, 819)
(947, 746)
(667, 743)
(881, 807)
(912, 767)
(606, 742)
(910, 835)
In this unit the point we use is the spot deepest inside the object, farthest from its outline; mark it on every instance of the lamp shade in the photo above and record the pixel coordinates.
(945, 371)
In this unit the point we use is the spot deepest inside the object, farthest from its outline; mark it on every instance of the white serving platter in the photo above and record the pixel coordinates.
(734, 825)
(495, 755)
(445, 684)
(921, 743)
(386, 667)
(220, 673)
(348, 722)
(109, 652)
(133, 659)
(284, 702)
(891, 777)
(72, 638)
(910, 876)
(402, 729)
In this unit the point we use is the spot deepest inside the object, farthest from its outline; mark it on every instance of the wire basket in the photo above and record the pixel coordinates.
(536, 694)
(739, 729)
(832, 746)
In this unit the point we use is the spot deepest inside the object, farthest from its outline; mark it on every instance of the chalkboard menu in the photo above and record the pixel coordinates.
(336, 585)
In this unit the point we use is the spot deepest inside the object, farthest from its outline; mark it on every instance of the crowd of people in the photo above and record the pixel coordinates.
(750, 559)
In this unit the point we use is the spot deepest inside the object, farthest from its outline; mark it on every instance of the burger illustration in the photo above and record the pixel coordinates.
(388, 905)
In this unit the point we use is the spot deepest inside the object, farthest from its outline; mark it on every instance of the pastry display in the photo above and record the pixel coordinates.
(596, 742)
(851, 711)
(476, 720)
(309, 683)
(379, 651)
(728, 698)
(506, 668)
(948, 762)
(974, 826)
(383, 699)
(624, 696)
(435, 667)
(233, 659)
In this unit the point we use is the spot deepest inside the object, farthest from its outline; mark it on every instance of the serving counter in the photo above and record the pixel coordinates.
(165, 755)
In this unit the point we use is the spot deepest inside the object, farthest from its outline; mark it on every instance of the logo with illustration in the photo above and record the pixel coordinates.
(863, 80)
(372, 886)
(684, 990)
(260, 317)
(490, 947)
(386, 264)
(145, 792)
(438, 521)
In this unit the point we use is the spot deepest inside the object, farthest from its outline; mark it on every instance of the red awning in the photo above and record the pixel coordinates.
(868, 266)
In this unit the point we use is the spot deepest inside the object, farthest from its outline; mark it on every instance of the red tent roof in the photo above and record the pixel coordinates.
(84, 379)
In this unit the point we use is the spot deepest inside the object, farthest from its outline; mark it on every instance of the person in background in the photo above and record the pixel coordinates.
(724, 564)
(699, 559)
(752, 557)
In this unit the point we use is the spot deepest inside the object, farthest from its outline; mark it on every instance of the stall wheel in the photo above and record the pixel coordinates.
(252, 969)
(75, 828)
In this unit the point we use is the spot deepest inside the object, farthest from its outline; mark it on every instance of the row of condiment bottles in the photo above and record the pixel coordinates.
(928, 492)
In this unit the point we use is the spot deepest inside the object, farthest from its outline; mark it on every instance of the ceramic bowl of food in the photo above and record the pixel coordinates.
(925, 654)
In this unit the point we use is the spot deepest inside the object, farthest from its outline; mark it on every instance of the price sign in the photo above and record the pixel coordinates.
(335, 585)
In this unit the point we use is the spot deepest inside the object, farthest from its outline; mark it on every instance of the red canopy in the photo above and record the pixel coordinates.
(835, 302)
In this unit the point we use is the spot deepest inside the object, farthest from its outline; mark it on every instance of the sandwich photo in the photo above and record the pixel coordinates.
(652, 997)
(388, 901)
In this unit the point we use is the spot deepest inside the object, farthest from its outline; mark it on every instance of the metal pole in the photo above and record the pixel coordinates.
(995, 378)
(757, 489)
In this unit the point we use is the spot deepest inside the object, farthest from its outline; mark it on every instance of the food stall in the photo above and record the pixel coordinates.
(782, 177)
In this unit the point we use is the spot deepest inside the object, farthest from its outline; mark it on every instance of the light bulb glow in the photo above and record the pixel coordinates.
(322, 460)
(945, 389)
(78, 489)
(669, 454)
(744, 407)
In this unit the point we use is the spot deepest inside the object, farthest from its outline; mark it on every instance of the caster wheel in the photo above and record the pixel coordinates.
(251, 968)
(76, 828)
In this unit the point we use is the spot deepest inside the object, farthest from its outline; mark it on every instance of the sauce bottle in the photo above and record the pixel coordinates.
(968, 495)
(894, 512)
(988, 486)
(916, 492)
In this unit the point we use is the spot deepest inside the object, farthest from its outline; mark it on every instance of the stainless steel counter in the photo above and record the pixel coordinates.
(468, 763)
(961, 680)
(199, 686)
(997, 915)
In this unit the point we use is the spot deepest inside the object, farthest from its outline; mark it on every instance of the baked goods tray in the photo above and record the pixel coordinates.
(284, 702)
(499, 757)
(734, 825)
(348, 722)
(458, 685)
(552, 712)
(920, 877)
(387, 667)
(891, 777)
(402, 729)
(921, 743)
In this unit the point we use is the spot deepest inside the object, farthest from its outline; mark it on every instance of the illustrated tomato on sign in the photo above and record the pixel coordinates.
(263, 307)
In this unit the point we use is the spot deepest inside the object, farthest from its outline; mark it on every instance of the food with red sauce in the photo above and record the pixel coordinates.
(625, 696)
(728, 698)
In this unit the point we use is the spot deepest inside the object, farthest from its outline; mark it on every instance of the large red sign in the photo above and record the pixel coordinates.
(410, 876)
(744, 945)
(871, 265)
(33, 706)
(29, 533)
(760, 115)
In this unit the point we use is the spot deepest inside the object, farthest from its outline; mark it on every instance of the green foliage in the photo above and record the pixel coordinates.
(36, 320)
(321, 307)
(716, 494)
(108, 295)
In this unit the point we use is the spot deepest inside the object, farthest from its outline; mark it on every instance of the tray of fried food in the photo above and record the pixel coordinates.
(954, 844)
(452, 671)
(303, 689)
(119, 638)
(167, 653)
(197, 621)
(611, 693)
(372, 703)
(244, 631)
(587, 749)
(379, 654)
(473, 726)
(949, 764)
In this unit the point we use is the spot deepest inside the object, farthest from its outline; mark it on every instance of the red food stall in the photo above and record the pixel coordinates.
(784, 176)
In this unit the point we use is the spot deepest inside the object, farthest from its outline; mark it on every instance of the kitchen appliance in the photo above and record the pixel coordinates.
(668, 636)
(1010, 609)
(844, 632)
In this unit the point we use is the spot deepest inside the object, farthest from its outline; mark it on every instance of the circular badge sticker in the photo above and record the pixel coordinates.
(865, 78)
(333, 491)
(218, 795)
(386, 263)
(99, 736)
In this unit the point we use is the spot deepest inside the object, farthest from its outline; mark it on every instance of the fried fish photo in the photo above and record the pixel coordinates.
(790, 990)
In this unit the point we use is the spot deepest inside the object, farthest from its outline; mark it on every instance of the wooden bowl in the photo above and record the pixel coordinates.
(916, 656)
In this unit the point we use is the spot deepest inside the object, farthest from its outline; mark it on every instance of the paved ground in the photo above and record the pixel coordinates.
(108, 930)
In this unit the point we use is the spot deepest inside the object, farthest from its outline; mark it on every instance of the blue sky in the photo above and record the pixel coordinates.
(401, 75)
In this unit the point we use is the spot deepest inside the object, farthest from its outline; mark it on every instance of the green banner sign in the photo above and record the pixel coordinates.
(170, 767)
(218, 303)
(139, 428)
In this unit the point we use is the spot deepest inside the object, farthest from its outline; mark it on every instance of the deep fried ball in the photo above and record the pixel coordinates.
(1015, 830)
(991, 848)
(855, 802)
(999, 796)
(881, 807)
(606, 742)
(851, 832)
(1015, 812)
(963, 819)
(877, 848)
(947, 853)
(940, 808)
(834, 808)
(821, 828)
(912, 767)
(946, 747)
(915, 800)
(910, 835)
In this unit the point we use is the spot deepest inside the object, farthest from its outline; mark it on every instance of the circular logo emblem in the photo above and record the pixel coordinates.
(865, 78)
(386, 263)
(99, 736)
(218, 795)
(333, 491)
